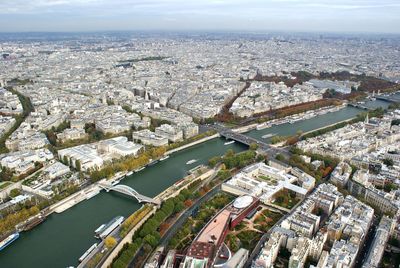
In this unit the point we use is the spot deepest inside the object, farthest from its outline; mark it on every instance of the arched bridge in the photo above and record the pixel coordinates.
(124, 189)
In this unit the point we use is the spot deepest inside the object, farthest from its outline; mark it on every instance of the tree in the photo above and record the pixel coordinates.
(280, 157)
(261, 158)
(163, 228)
(224, 174)
(223, 167)
(6, 174)
(110, 242)
(78, 165)
(65, 160)
(179, 207)
(229, 153)
(34, 210)
(388, 162)
(253, 146)
(51, 136)
(277, 138)
(188, 203)
(15, 192)
(292, 140)
(214, 161)
(389, 187)
(151, 240)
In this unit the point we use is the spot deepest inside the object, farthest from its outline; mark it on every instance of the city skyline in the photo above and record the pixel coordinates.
(214, 133)
(361, 16)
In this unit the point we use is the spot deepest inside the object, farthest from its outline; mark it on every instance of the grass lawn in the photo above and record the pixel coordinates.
(266, 220)
(286, 199)
(5, 184)
(267, 179)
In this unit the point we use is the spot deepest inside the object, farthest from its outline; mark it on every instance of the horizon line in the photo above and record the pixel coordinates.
(236, 31)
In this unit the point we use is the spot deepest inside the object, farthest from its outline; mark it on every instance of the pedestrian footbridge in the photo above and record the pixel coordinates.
(124, 189)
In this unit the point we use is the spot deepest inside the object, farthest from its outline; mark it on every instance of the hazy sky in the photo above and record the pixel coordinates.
(382, 16)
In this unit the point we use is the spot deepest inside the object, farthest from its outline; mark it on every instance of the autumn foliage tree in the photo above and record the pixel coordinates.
(188, 203)
(110, 242)
(163, 228)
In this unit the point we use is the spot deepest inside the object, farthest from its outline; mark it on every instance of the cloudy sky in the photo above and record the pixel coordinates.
(380, 16)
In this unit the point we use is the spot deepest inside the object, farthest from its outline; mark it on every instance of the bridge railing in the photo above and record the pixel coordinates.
(127, 190)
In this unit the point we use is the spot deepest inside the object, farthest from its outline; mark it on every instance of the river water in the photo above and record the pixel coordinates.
(63, 238)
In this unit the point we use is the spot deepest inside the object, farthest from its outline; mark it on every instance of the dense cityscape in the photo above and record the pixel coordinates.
(199, 149)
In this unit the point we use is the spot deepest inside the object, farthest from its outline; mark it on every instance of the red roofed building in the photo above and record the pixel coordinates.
(202, 251)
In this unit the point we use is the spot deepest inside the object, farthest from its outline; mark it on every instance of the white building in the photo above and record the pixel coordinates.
(55, 170)
(147, 137)
(86, 155)
(172, 133)
(119, 146)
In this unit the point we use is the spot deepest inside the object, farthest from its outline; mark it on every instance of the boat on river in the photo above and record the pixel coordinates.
(164, 158)
(87, 252)
(152, 162)
(266, 136)
(6, 242)
(105, 229)
(139, 169)
(191, 161)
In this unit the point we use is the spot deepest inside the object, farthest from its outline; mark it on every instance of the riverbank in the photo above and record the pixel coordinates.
(86, 193)
(74, 227)
(300, 116)
(328, 126)
(93, 189)
(170, 192)
(74, 199)
(245, 129)
(127, 239)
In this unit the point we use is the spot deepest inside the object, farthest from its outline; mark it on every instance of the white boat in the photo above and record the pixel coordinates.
(164, 158)
(129, 173)
(152, 162)
(115, 182)
(87, 252)
(99, 229)
(262, 126)
(266, 136)
(229, 142)
(139, 169)
(191, 161)
(6, 242)
(109, 227)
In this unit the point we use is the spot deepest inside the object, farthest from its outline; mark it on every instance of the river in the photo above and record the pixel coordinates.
(63, 238)
(288, 129)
